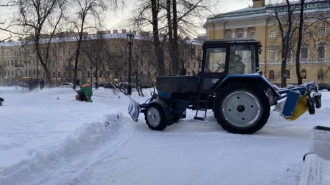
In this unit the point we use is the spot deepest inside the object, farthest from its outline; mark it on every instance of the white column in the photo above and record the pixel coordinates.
(233, 33)
(245, 34)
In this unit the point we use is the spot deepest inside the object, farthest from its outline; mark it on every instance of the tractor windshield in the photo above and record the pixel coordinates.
(215, 60)
(242, 59)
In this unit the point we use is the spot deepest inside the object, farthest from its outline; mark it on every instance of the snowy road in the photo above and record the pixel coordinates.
(63, 142)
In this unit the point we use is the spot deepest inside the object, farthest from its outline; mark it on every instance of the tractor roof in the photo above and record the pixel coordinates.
(235, 40)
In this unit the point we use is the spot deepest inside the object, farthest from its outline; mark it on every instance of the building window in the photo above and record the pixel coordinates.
(53, 74)
(194, 64)
(88, 74)
(321, 30)
(228, 36)
(320, 74)
(271, 75)
(251, 34)
(272, 54)
(287, 72)
(304, 52)
(320, 52)
(272, 34)
(303, 74)
(239, 35)
(188, 64)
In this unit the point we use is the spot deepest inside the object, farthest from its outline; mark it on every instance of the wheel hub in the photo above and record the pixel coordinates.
(240, 108)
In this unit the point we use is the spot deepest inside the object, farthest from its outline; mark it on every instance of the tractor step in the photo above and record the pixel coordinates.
(201, 106)
(199, 118)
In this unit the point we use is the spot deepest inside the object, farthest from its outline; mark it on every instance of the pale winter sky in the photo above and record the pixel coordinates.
(116, 20)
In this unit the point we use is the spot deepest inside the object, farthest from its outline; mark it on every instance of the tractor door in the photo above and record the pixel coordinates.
(214, 67)
(227, 58)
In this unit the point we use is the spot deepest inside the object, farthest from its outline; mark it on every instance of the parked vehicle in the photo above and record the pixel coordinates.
(67, 84)
(324, 86)
(228, 83)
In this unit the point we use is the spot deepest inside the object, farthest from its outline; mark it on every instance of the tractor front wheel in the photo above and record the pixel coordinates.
(241, 108)
(155, 117)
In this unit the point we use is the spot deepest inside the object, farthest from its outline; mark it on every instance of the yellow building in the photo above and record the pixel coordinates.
(104, 54)
(260, 23)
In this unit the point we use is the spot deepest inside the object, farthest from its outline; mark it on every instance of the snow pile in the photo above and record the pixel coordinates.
(49, 138)
(83, 140)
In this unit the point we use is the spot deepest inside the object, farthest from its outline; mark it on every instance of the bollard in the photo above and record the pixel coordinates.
(320, 142)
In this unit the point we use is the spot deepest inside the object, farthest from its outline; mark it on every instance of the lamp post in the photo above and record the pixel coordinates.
(96, 71)
(25, 69)
(130, 37)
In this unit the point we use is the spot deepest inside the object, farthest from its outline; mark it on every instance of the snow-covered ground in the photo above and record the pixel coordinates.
(49, 138)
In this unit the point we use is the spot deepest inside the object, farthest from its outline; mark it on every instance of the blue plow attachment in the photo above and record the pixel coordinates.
(299, 99)
(134, 109)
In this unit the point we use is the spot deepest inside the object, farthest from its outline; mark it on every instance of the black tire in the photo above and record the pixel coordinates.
(241, 109)
(176, 118)
(318, 103)
(310, 104)
(155, 117)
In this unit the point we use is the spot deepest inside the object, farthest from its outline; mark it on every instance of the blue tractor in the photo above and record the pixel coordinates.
(230, 84)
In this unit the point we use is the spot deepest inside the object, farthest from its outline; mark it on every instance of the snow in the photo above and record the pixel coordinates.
(49, 138)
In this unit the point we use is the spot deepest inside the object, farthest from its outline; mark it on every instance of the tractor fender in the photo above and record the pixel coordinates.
(256, 79)
(163, 105)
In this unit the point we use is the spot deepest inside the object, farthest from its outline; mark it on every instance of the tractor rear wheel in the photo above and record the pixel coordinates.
(155, 117)
(318, 102)
(310, 105)
(241, 108)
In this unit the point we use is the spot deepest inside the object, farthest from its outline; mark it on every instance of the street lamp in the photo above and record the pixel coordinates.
(26, 62)
(130, 37)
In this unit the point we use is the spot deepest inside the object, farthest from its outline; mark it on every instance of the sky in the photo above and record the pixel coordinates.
(116, 20)
(49, 138)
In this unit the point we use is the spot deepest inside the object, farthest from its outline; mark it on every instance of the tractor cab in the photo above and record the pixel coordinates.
(227, 57)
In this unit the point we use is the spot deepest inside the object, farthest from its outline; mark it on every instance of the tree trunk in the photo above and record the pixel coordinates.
(157, 44)
(78, 52)
(170, 32)
(301, 22)
(175, 59)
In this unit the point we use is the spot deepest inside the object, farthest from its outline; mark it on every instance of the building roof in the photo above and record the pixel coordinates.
(89, 37)
(254, 12)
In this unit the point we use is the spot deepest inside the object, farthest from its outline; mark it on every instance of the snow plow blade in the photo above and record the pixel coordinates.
(300, 109)
(299, 99)
(134, 109)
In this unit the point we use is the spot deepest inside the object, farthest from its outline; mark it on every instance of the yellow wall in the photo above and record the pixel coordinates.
(262, 34)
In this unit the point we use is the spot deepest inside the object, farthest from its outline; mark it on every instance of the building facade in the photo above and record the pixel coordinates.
(103, 58)
(259, 22)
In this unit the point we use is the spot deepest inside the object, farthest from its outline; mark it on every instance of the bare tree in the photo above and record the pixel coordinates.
(35, 17)
(86, 9)
(285, 27)
(175, 19)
